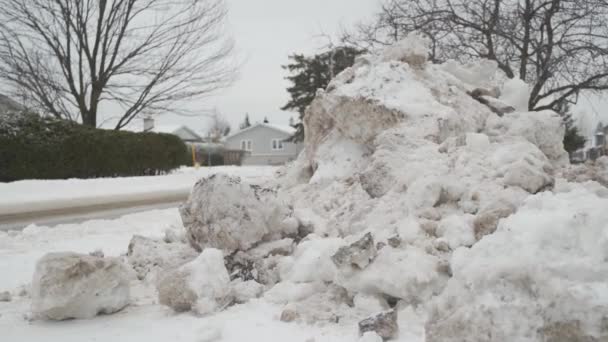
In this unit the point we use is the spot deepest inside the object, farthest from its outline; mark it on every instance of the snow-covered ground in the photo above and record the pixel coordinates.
(41, 195)
(145, 320)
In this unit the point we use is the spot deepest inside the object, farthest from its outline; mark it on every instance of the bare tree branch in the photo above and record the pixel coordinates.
(69, 56)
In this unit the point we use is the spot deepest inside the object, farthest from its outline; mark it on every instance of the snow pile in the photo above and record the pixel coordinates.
(541, 276)
(411, 168)
(592, 171)
(201, 285)
(70, 285)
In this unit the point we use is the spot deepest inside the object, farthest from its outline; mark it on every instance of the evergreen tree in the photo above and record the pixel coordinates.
(308, 74)
(573, 141)
(245, 122)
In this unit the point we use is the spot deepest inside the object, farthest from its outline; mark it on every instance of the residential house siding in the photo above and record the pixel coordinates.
(262, 151)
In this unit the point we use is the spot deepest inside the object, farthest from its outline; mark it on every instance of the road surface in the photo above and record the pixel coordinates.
(88, 212)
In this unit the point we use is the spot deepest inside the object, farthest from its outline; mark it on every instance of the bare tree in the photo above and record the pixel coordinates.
(560, 47)
(68, 56)
(220, 127)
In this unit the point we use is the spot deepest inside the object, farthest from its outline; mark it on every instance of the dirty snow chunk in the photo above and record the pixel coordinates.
(5, 296)
(457, 230)
(418, 282)
(202, 285)
(243, 291)
(223, 212)
(590, 171)
(312, 261)
(541, 274)
(384, 324)
(70, 285)
(486, 221)
(497, 106)
(358, 254)
(279, 247)
(289, 313)
(148, 255)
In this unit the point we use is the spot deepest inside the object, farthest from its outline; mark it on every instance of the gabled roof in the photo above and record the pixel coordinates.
(281, 128)
(174, 129)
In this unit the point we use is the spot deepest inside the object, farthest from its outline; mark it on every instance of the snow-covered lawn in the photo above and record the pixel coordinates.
(144, 320)
(39, 195)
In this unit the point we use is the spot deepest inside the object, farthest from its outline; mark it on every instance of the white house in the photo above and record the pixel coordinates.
(266, 144)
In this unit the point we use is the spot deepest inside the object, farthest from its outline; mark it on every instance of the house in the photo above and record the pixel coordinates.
(265, 143)
(186, 134)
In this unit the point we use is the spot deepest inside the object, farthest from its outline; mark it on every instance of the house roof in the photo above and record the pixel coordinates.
(281, 128)
(167, 129)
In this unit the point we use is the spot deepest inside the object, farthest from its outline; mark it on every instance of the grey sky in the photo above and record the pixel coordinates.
(265, 33)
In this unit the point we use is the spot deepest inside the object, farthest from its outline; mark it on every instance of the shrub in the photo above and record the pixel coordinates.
(32, 147)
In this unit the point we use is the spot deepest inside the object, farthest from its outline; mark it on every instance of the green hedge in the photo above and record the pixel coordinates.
(32, 147)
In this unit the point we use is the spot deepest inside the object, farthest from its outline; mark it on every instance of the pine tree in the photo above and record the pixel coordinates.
(308, 74)
(245, 122)
(573, 141)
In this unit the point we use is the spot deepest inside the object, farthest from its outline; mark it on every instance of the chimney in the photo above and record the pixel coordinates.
(148, 124)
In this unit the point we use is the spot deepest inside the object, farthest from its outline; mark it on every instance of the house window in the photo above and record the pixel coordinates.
(246, 145)
(277, 144)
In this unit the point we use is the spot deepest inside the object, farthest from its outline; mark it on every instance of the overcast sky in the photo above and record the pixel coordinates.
(265, 33)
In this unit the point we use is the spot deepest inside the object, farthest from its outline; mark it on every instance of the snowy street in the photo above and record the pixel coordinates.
(51, 202)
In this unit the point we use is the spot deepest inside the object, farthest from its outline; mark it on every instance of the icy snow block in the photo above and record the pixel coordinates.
(202, 285)
(148, 255)
(384, 324)
(358, 255)
(70, 285)
(224, 213)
